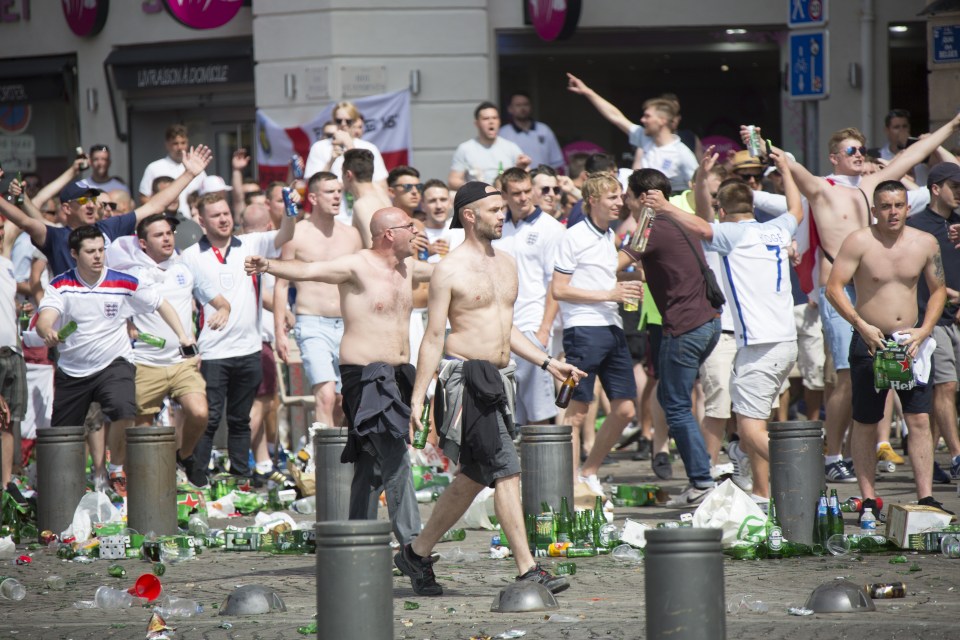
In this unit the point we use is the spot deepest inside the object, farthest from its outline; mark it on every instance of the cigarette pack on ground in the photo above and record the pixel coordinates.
(633, 533)
(903, 520)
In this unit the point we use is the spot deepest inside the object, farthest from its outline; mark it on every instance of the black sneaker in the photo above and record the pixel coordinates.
(195, 475)
(662, 467)
(555, 584)
(929, 501)
(644, 448)
(420, 572)
(939, 475)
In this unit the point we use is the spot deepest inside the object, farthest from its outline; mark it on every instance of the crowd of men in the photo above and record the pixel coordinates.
(680, 295)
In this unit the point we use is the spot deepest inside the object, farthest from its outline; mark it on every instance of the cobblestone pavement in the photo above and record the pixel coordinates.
(605, 601)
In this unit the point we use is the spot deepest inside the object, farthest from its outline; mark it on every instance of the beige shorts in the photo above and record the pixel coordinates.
(810, 352)
(715, 377)
(156, 383)
(758, 374)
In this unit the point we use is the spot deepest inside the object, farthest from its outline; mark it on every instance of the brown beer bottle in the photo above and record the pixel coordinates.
(566, 393)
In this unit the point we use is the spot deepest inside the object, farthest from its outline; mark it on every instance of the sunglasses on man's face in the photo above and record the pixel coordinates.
(82, 200)
(407, 188)
(343, 120)
(110, 205)
(545, 191)
(852, 151)
(751, 176)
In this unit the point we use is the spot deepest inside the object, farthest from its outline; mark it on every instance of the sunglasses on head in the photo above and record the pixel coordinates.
(545, 191)
(851, 151)
(407, 188)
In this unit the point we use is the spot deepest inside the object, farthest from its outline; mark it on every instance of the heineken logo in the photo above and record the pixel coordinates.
(190, 501)
(904, 364)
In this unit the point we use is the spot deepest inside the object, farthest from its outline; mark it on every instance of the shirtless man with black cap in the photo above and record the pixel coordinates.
(475, 287)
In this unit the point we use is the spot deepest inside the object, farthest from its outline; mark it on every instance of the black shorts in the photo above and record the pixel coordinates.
(654, 337)
(868, 403)
(113, 387)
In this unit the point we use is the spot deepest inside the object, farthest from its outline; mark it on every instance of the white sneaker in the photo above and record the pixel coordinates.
(593, 483)
(763, 503)
(741, 466)
(691, 497)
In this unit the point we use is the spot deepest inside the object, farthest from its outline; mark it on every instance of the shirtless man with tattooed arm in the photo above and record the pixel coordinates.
(886, 261)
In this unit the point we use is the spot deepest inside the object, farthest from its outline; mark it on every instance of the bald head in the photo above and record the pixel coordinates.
(256, 217)
(123, 200)
(385, 218)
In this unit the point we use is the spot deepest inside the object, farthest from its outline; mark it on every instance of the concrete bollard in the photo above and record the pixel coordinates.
(354, 580)
(333, 478)
(151, 468)
(796, 475)
(683, 574)
(546, 456)
(60, 480)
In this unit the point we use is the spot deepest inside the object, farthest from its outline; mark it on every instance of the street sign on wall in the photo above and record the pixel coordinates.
(802, 14)
(808, 65)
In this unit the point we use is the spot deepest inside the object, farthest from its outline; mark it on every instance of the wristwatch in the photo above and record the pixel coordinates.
(546, 363)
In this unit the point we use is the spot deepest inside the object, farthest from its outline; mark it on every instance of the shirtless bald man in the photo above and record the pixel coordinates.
(885, 262)
(368, 197)
(319, 326)
(475, 287)
(376, 296)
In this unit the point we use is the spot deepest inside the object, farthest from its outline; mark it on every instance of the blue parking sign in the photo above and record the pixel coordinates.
(808, 65)
(806, 13)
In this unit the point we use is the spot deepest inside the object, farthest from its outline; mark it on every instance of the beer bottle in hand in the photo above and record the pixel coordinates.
(566, 393)
(420, 438)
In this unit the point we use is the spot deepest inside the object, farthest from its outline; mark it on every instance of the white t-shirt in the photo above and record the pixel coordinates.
(485, 163)
(241, 335)
(8, 304)
(533, 242)
(267, 332)
(539, 142)
(756, 278)
(100, 310)
(590, 256)
(674, 160)
(320, 153)
(454, 238)
(165, 166)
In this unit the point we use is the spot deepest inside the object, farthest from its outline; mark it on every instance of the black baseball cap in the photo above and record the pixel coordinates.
(77, 189)
(467, 194)
(943, 171)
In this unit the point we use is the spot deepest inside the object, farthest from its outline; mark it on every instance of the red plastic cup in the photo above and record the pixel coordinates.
(147, 586)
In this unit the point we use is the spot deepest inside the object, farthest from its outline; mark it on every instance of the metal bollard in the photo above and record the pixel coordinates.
(151, 468)
(354, 568)
(796, 475)
(333, 478)
(60, 480)
(546, 457)
(683, 574)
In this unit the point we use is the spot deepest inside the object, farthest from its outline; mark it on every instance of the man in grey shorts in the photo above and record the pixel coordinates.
(475, 288)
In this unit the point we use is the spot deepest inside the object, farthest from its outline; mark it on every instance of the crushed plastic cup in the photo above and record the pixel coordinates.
(110, 598)
(950, 546)
(174, 607)
(745, 603)
(147, 586)
(626, 553)
(838, 544)
(11, 589)
(799, 611)
(54, 583)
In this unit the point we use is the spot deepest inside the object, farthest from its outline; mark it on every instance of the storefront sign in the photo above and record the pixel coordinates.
(8, 10)
(86, 17)
(183, 75)
(15, 118)
(29, 89)
(203, 14)
(554, 19)
(18, 153)
(946, 43)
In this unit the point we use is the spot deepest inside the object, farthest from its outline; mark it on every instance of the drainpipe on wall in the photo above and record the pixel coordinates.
(867, 106)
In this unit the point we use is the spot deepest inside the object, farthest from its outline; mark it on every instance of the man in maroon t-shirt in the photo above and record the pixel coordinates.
(691, 329)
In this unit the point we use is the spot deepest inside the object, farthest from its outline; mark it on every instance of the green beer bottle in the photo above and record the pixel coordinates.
(420, 439)
(66, 330)
(822, 524)
(836, 517)
(153, 341)
(563, 522)
(774, 533)
(19, 201)
(598, 520)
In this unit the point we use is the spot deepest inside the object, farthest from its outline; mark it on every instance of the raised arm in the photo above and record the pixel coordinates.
(810, 185)
(912, 155)
(36, 228)
(606, 109)
(238, 162)
(195, 160)
(695, 225)
(792, 192)
(701, 192)
(53, 189)
(337, 271)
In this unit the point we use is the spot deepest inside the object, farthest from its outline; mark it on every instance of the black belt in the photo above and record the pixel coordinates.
(729, 333)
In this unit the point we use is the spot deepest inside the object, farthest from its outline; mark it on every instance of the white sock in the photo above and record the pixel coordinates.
(113, 468)
(832, 459)
(265, 467)
(880, 444)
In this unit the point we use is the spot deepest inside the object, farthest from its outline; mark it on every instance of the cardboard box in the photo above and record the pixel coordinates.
(903, 520)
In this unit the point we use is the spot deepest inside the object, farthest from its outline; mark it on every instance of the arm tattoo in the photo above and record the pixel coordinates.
(938, 268)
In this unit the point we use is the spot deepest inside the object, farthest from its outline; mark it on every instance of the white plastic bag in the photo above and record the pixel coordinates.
(478, 513)
(93, 507)
(728, 508)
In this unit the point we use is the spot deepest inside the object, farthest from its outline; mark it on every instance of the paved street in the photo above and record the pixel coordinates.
(605, 601)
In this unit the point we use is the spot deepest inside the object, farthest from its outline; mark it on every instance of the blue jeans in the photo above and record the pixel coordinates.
(680, 360)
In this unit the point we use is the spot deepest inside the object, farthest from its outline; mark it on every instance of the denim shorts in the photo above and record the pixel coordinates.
(319, 341)
(600, 351)
(836, 330)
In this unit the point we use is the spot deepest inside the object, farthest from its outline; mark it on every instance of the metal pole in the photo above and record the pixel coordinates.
(151, 469)
(333, 478)
(60, 481)
(546, 456)
(796, 475)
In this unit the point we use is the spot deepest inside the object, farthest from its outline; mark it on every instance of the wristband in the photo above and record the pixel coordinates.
(546, 363)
